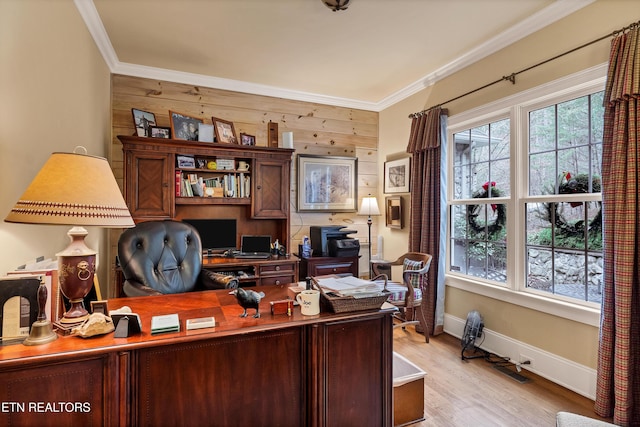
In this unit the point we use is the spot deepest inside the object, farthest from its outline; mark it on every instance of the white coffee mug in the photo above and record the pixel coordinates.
(309, 302)
(243, 166)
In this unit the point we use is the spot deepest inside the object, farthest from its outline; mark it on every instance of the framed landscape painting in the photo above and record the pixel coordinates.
(396, 176)
(327, 183)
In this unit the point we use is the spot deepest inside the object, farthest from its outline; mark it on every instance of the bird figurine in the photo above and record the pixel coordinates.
(248, 299)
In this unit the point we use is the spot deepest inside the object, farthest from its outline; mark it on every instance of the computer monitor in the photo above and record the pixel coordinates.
(217, 235)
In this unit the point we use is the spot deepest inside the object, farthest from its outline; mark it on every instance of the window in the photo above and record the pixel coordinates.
(564, 231)
(481, 172)
(524, 194)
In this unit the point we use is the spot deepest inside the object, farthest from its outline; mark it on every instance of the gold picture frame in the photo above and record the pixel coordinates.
(393, 214)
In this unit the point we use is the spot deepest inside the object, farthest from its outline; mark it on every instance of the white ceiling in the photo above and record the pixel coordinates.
(370, 56)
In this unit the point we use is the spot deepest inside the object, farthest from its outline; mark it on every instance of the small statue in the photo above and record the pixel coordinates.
(248, 299)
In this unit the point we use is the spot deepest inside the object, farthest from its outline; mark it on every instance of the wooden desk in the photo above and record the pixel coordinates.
(276, 270)
(324, 370)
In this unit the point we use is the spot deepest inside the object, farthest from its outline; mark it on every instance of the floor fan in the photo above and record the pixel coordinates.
(472, 331)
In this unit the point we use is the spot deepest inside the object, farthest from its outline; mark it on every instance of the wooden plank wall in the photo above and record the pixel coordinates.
(317, 129)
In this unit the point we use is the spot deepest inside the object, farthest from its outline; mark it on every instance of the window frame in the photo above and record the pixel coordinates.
(517, 108)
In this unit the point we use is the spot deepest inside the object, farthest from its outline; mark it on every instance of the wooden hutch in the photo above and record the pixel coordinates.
(257, 197)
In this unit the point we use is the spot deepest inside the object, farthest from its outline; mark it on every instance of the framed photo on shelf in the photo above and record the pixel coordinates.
(143, 121)
(327, 183)
(393, 215)
(160, 132)
(396, 175)
(186, 161)
(183, 126)
(225, 132)
(247, 139)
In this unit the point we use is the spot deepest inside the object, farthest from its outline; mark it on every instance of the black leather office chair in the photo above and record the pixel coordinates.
(165, 257)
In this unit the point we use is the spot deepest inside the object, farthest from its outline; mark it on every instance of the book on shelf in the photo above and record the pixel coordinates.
(165, 323)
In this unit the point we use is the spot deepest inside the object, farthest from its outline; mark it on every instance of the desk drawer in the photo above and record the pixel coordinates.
(279, 269)
(333, 268)
(278, 280)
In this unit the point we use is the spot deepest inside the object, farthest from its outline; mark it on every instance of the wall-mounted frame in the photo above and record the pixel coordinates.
(143, 120)
(327, 183)
(393, 216)
(396, 175)
(184, 127)
(225, 132)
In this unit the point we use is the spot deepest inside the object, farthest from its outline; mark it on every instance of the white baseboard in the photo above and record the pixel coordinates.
(564, 372)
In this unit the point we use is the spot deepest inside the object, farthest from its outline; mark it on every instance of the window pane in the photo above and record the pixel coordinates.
(542, 129)
(542, 173)
(558, 261)
(481, 155)
(573, 122)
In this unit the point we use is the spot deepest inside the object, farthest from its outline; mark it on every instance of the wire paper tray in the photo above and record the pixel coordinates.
(340, 304)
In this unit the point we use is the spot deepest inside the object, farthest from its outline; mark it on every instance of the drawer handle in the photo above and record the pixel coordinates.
(335, 269)
(277, 268)
(277, 282)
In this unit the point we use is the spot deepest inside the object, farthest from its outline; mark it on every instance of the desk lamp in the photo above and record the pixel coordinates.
(369, 207)
(79, 190)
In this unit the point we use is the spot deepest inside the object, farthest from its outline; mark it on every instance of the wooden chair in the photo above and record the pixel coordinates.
(407, 295)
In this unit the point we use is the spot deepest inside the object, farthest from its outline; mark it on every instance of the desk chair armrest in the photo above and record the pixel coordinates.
(132, 288)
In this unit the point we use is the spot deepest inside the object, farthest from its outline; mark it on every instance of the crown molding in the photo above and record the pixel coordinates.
(556, 11)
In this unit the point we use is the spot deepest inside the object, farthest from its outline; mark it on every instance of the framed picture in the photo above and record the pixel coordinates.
(396, 176)
(143, 120)
(247, 139)
(186, 161)
(393, 212)
(225, 132)
(183, 126)
(327, 183)
(101, 306)
(160, 132)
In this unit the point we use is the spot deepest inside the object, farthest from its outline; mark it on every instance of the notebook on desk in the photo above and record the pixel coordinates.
(258, 247)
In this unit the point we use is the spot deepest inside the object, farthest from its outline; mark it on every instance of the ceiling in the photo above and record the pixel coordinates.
(370, 56)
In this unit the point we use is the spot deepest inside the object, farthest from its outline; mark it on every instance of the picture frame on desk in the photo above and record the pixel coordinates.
(327, 183)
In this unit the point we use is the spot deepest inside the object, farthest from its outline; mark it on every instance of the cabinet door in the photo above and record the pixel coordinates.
(356, 370)
(270, 198)
(149, 179)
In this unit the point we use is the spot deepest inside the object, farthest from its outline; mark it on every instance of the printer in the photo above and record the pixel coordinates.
(333, 241)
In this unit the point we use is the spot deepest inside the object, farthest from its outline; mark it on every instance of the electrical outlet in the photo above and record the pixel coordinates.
(525, 360)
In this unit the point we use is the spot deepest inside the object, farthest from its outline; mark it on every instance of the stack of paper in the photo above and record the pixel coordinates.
(349, 286)
(166, 323)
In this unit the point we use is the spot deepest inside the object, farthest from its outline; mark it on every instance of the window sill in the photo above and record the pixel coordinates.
(587, 314)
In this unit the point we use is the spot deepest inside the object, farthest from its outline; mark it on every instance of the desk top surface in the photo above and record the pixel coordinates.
(219, 303)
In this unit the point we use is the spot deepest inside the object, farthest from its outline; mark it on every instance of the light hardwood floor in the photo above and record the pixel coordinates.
(473, 393)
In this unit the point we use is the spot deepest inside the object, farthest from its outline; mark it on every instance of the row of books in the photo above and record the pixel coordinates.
(229, 185)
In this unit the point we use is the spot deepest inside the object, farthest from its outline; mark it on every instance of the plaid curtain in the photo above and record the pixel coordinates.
(425, 145)
(618, 383)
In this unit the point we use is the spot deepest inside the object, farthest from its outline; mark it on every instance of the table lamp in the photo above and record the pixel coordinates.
(79, 190)
(369, 207)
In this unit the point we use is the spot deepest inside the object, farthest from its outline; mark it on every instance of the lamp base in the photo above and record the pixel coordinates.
(76, 269)
(41, 333)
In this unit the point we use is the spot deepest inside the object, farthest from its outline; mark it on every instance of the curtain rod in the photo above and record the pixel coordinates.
(512, 77)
